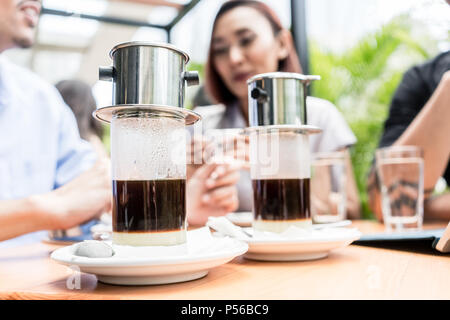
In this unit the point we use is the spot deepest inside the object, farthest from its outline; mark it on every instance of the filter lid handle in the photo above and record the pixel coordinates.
(191, 78)
(106, 73)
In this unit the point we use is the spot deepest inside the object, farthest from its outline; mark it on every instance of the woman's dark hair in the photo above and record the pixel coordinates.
(214, 85)
(78, 96)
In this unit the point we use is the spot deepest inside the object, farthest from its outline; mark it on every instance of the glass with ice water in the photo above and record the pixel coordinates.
(328, 187)
(401, 177)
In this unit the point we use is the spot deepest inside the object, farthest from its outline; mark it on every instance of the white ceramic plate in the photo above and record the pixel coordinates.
(241, 219)
(308, 248)
(157, 268)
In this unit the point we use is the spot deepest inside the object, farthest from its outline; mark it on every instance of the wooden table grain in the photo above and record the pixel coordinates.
(354, 272)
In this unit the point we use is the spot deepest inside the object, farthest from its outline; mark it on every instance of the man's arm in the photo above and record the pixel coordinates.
(18, 217)
(374, 194)
(430, 130)
(72, 204)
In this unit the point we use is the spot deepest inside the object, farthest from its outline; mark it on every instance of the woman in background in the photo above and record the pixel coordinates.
(248, 39)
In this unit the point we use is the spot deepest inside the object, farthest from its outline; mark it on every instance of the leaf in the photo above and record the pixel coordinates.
(361, 82)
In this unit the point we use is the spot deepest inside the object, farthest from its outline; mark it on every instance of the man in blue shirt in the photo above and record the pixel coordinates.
(48, 179)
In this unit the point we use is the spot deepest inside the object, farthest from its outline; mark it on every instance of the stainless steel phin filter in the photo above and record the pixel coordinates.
(148, 142)
(279, 150)
(148, 73)
(278, 98)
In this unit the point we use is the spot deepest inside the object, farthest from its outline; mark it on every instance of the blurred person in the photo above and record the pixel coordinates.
(419, 114)
(79, 97)
(49, 177)
(248, 39)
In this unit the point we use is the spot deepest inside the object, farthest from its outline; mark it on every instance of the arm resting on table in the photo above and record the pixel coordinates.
(18, 217)
(83, 198)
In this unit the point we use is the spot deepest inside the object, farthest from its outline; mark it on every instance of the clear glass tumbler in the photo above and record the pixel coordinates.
(400, 172)
(328, 187)
(148, 157)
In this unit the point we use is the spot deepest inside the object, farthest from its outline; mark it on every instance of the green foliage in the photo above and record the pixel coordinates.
(106, 138)
(197, 66)
(191, 91)
(361, 82)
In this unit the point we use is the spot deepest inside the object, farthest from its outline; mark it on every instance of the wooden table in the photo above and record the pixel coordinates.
(354, 272)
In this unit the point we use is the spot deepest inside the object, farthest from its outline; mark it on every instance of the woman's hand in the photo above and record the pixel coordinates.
(211, 191)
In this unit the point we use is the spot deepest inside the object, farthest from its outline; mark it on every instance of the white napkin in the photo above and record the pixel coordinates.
(225, 227)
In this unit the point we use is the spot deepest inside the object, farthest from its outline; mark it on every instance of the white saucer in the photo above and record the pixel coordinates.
(156, 265)
(241, 219)
(316, 246)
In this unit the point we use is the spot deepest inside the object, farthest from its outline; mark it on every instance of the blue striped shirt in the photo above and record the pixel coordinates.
(40, 146)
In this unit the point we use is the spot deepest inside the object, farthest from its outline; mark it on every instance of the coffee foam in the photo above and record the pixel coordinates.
(145, 148)
(279, 226)
(279, 155)
(149, 238)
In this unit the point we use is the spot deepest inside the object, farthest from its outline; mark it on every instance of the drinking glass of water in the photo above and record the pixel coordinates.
(400, 172)
(328, 187)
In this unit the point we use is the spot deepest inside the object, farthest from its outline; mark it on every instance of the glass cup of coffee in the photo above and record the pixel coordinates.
(280, 172)
(328, 187)
(400, 171)
(148, 156)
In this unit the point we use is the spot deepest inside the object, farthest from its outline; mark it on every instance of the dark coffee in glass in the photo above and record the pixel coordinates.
(148, 157)
(149, 205)
(280, 172)
(281, 199)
